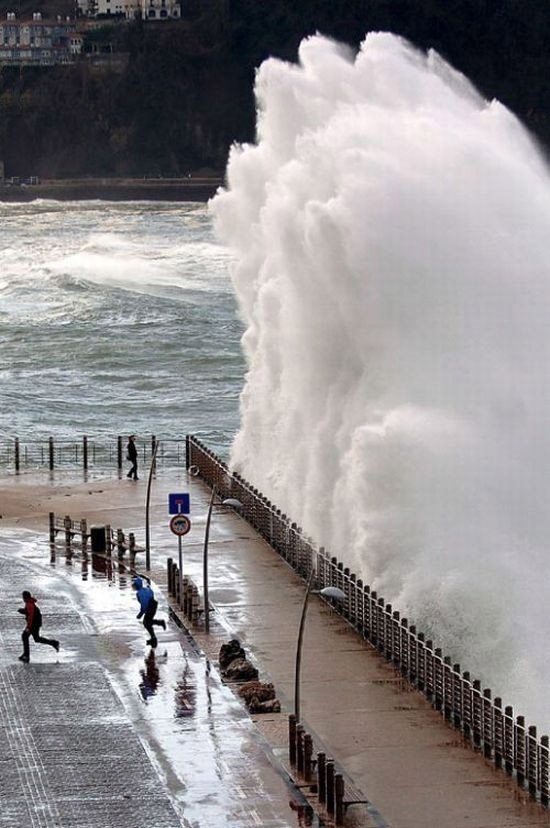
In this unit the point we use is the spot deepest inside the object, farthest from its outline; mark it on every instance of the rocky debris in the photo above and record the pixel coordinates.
(229, 652)
(259, 689)
(240, 670)
(258, 696)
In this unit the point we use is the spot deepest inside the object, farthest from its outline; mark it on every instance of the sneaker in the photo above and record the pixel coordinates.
(24, 658)
(56, 646)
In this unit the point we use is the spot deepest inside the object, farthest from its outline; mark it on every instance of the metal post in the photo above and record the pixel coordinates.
(50, 452)
(17, 454)
(119, 451)
(329, 766)
(299, 646)
(52, 527)
(147, 507)
(292, 739)
(339, 797)
(180, 556)
(85, 452)
(321, 778)
(205, 563)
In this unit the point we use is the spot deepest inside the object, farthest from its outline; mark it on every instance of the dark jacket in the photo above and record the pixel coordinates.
(131, 451)
(32, 614)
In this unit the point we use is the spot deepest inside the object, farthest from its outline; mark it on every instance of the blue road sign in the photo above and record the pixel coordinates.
(178, 504)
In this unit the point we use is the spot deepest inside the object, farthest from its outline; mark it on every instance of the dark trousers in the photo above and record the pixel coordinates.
(149, 622)
(133, 470)
(26, 634)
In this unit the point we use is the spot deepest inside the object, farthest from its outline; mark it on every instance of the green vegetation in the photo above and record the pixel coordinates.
(185, 92)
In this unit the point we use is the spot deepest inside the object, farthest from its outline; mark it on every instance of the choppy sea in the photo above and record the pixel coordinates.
(116, 318)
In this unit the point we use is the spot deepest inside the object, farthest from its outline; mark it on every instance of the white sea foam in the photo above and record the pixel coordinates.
(390, 231)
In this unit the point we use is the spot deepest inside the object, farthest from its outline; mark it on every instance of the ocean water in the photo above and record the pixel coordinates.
(116, 318)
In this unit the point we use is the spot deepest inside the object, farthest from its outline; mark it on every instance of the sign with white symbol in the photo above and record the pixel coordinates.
(178, 503)
(180, 525)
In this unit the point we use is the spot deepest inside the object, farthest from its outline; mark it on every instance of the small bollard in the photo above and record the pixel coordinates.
(308, 752)
(52, 527)
(330, 786)
(300, 749)
(120, 542)
(292, 739)
(132, 544)
(195, 602)
(339, 799)
(321, 778)
(169, 563)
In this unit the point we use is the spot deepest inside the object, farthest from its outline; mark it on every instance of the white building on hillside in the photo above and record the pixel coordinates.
(130, 9)
(38, 42)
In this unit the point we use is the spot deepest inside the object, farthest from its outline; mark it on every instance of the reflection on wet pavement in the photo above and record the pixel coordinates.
(202, 747)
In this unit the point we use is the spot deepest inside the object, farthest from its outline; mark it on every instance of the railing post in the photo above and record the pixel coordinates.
(532, 761)
(52, 527)
(509, 742)
(119, 451)
(519, 750)
(50, 453)
(308, 753)
(17, 464)
(120, 542)
(132, 544)
(169, 563)
(543, 771)
(85, 452)
(108, 540)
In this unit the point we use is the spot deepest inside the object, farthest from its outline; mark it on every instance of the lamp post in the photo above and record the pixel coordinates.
(236, 504)
(328, 592)
(147, 507)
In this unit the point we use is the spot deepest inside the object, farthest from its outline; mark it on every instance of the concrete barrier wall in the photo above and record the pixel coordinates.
(485, 723)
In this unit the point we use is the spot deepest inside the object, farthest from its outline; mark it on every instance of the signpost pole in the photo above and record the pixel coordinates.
(180, 559)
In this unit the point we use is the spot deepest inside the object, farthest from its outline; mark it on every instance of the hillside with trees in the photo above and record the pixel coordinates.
(186, 90)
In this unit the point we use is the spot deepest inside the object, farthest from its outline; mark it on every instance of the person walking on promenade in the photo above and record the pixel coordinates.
(147, 609)
(131, 454)
(31, 611)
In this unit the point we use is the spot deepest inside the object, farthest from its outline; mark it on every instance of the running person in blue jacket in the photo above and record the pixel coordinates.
(147, 609)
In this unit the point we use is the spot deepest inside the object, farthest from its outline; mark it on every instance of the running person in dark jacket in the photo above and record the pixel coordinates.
(131, 453)
(147, 609)
(32, 613)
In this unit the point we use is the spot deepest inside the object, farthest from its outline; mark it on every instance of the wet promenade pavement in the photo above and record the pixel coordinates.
(206, 760)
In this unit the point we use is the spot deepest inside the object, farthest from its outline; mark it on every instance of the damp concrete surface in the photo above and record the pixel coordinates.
(109, 731)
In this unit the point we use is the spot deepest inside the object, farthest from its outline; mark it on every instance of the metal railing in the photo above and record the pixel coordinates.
(52, 453)
(482, 719)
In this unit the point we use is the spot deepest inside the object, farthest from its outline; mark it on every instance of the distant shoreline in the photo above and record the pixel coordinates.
(114, 189)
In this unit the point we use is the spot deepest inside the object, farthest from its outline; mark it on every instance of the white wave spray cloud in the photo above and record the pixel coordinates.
(389, 231)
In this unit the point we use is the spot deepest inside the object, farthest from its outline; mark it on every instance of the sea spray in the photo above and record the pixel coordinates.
(389, 229)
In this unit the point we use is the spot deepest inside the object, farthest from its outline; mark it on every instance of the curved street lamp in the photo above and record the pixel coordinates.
(327, 592)
(229, 501)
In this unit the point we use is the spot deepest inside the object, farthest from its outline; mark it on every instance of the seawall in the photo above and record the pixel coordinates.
(114, 189)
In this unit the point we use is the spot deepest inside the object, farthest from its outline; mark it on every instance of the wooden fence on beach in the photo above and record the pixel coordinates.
(483, 720)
